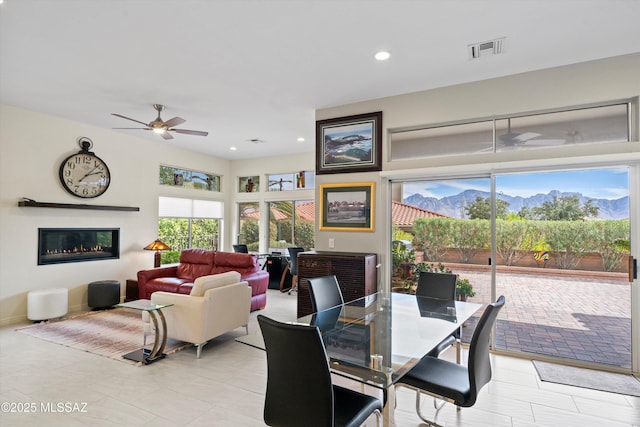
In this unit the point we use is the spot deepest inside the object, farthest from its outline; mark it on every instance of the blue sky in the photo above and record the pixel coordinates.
(363, 129)
(597, 183)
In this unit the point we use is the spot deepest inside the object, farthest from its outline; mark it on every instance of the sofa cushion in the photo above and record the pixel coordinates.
(204, 283)
(242, 263)
(195, 263)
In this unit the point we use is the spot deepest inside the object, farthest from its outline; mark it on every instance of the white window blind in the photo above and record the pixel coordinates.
(174, 207)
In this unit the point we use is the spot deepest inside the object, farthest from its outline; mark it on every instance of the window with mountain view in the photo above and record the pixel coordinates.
(562, 248)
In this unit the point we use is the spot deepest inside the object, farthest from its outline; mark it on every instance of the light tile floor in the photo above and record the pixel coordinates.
(226, 388)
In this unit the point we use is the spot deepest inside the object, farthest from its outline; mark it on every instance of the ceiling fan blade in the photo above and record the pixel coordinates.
(166, 135)
(523, 137)
(129, 118)
(174, 122)
(134, 128)
(190, 132)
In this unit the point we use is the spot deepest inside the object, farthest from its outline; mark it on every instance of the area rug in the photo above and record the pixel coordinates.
(588, 378)
(109, 333)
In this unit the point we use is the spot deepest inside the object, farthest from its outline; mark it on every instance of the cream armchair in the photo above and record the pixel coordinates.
(217, 304)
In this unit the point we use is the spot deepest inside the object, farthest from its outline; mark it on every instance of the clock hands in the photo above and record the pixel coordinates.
(91, 172)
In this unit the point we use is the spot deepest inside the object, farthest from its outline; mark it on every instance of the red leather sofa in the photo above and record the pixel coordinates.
(199, 262)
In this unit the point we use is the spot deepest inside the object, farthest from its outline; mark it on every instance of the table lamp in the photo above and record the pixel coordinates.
(157, 246)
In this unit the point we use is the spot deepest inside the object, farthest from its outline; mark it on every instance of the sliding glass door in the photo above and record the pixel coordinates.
(556, 244)
(444, 226)
(562, 249)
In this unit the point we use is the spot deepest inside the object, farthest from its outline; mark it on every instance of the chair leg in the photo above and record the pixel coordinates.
(199, 349)
(294, 283)
(283, 278)
(419, 412)
(246, 329)
(378, 416)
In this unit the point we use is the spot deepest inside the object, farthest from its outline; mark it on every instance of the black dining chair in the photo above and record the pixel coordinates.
(241, 249)
(317, 402)
(325, 293)
(440, 286)
(451, 381)
(291, 268)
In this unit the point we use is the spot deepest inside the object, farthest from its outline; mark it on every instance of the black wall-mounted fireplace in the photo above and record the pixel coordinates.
(58, 245)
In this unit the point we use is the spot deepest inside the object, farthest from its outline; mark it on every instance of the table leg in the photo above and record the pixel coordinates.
(459, 346)
(154, 352)
(388, 418)
(164, 332)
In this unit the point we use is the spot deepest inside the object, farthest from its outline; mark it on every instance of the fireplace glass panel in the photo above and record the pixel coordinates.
(60, 245)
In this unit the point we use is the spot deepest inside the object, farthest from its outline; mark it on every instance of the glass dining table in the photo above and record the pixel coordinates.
(375, 340)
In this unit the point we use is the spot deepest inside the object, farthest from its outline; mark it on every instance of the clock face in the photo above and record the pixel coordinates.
(84, 175)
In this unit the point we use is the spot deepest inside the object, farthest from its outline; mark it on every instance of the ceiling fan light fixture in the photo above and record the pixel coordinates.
(161, 127)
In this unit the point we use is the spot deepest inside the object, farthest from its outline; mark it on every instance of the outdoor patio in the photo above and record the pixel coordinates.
(584, 317)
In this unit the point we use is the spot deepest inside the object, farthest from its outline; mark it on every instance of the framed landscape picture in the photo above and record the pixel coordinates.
(347, 207)
(349, 144)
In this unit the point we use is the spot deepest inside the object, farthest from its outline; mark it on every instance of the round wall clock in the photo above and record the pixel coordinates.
(84, 174)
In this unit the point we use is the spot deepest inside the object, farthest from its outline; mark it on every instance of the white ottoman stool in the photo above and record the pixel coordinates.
(47, 303)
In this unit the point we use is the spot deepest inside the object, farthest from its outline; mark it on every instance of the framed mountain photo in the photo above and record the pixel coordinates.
(349, 144)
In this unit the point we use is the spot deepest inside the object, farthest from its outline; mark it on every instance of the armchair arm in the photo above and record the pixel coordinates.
(146, 275)
(186, 318)
(154, 273)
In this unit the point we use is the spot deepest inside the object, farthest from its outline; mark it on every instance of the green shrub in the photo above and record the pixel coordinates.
(432, 236)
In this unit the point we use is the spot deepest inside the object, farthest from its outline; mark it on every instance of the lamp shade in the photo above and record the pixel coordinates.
(157, 245)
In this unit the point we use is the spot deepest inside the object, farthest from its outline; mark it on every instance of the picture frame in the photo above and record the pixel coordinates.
(347, 207)
(349, 144)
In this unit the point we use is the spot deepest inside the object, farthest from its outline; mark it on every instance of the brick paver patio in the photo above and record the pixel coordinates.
(580, 318)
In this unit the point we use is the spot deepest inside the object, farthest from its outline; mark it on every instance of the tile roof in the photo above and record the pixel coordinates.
(402, 215)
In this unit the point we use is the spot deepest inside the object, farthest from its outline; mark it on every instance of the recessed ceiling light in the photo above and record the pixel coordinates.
(301, 139)
(232, 148)
(382, 55)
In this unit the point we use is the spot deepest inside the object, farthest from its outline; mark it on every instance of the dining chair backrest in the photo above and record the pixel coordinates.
(293, 259)
(308, 379)
(241, 249)
(479, 363)
(437, 285)
(325, 293)
(443, 378)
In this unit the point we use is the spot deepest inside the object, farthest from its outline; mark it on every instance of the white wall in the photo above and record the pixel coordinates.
(580, 84)
(32, 146)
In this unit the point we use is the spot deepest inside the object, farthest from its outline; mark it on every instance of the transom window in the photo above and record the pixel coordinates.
(581, 125)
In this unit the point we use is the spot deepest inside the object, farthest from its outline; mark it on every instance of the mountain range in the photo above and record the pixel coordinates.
(453, 206)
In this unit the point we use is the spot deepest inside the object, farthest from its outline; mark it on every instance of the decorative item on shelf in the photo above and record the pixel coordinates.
(157, 246)
(84, 174)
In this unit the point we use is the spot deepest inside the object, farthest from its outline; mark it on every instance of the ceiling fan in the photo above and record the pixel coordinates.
(513, 139)
(161, 127)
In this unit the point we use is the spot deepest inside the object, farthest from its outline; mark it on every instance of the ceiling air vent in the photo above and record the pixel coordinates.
(491, 47)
